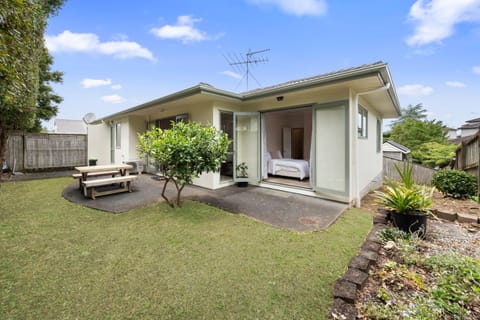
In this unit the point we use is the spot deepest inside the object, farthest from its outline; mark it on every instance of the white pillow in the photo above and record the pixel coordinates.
(276, 154)
(268, 157)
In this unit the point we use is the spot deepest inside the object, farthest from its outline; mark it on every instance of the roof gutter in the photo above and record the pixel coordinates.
(357, 198)
(334, 77)
(198, 89)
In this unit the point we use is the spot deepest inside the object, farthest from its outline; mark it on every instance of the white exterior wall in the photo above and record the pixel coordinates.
(135, 125)
(99, 143)
(370, 164)
(121, 154)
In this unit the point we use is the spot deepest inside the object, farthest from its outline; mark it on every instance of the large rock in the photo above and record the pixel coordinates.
(346, 290)
(342, 310)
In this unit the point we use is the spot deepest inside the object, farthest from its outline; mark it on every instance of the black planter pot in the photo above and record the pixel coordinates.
(242, 184)
(410, 222)
(92, 162)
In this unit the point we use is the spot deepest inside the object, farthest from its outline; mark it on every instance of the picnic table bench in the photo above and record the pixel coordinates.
(89, 186)
(119, 175)
(78, 176)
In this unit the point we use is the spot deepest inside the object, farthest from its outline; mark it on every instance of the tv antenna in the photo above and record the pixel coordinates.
(242, 64)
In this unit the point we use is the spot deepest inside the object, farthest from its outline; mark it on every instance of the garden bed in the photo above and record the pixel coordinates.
(435, 278)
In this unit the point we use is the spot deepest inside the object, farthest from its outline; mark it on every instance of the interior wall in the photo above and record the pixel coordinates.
(293, 118)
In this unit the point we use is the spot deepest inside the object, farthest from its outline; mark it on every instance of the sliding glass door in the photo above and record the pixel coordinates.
(331, 163)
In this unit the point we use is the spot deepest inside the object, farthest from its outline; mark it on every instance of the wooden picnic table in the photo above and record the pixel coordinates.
(121, 168)
(89, 186)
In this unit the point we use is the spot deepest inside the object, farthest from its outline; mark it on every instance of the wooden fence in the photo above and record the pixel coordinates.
(468, 158)
(45, 151)
(422, 175)
(468, 155)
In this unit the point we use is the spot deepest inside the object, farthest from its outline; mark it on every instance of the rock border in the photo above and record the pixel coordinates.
(459, 217)
(346, 288)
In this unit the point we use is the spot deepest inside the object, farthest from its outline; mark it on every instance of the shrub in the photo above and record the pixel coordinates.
(454, 183)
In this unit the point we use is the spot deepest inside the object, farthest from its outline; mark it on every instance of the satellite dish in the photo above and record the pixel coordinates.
(89, 117)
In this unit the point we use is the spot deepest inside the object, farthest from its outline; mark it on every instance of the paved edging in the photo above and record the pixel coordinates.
(345, 289)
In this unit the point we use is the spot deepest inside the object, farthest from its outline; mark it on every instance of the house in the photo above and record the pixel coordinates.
(330, 124)
(69, 126)
(452, 134)
(470, 128)
(395, 150)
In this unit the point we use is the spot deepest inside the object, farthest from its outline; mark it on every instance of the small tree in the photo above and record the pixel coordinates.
(184, 152)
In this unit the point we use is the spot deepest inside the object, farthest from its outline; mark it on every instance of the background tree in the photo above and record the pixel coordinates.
(22, 48)
(47, 100)
(21, 41)
(184, 152)
(413, 132)
(417, 112)
(426, 139)
(432, 154)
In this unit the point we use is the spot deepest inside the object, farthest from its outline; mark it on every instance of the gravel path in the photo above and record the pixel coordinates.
(446, 236)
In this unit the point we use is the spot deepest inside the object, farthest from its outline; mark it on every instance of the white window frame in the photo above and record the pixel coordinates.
(362, 125)
(118, 135)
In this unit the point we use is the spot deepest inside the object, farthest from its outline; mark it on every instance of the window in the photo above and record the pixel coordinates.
(379, 135)
(118, 136)
(166, 123)
(362, 122)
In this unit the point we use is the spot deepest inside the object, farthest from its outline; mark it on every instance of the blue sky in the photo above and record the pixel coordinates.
(118, 54)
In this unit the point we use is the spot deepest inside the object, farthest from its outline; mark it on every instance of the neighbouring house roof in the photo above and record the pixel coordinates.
(473, 120)
(393, 146)
(377, 69)
(471, 125)
(69, 126)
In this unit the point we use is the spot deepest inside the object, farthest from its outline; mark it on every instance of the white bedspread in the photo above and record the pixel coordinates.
(290, 165)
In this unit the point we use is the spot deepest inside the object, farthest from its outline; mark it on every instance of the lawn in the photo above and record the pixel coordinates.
(63, 261)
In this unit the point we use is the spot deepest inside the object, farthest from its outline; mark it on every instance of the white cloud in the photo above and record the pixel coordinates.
(298, 7)
(68, 41)
(476, 69)
(91, 83)
(184, 30)
(231, 74)
(415, 90)
(114, 98)
(116, 86)
(435, 20)
(455, 84)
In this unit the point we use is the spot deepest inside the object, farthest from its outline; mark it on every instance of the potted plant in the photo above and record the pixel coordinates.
(408, 203)
(241, 169)
(92, 161)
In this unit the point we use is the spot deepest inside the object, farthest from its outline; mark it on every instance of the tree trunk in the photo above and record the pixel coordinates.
(163, 192)
(3, 145)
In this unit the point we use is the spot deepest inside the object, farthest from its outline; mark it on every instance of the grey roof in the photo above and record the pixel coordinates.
(399, 146)
(471, 125)
(342, 73)
(473, 120)
(70, 126)
(378, 67)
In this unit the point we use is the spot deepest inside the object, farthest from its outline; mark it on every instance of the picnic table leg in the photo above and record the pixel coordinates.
(81, 179)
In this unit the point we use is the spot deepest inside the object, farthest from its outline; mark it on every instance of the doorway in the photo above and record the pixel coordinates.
(226, 125)
(286, 145)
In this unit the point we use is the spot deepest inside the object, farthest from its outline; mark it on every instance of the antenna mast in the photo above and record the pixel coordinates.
(243, 65)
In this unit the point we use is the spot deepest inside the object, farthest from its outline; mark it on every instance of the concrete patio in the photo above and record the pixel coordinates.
(277, 208)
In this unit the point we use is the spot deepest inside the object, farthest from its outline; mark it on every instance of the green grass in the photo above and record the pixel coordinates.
(63, 261)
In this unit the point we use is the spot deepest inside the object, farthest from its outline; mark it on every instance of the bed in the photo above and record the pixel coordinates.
(293, 168)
